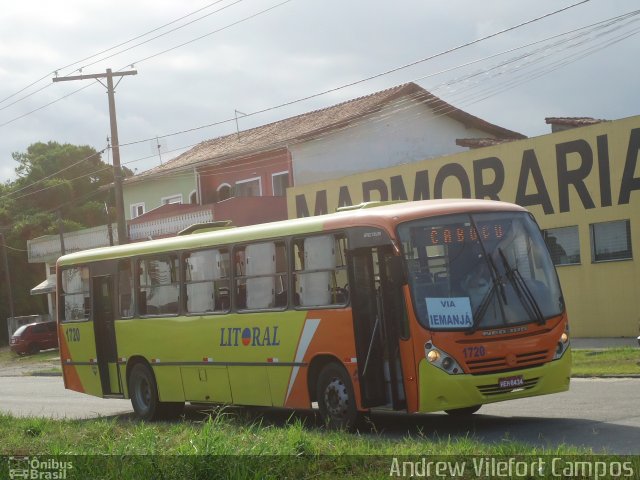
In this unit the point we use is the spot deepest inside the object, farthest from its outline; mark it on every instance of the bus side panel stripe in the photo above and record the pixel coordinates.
(69, 372)
(310, 327)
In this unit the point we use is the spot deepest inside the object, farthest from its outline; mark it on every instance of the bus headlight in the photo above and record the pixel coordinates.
(441, 359)
(563, 344)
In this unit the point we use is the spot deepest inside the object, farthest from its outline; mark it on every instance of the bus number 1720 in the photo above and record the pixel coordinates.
(73, 334)
(474, 352)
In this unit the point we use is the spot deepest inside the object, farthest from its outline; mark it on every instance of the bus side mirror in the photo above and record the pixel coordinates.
(396, 270)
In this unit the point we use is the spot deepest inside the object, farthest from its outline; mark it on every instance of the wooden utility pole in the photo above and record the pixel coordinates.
(61, 233)
(123, 237)
(7, 274)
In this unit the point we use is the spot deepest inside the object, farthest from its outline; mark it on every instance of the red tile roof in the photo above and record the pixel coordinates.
(481, 142)
(573, 121)
(312, 124)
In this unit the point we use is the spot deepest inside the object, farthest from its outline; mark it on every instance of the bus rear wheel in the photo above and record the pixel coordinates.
(143, 391)
(336, 400)
(463, 412)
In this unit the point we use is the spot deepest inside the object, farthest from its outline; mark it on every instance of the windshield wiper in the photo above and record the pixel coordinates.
(496, 283)
(523, 291)
(478, 315)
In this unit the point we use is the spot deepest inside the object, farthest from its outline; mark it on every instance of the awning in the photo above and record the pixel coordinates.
(48, 286)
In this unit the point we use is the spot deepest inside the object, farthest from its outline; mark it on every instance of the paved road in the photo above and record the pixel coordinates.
(28, 396)
(602, 414)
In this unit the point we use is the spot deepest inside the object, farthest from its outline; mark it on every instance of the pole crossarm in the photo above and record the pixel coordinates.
(95, 76)
(117, 171)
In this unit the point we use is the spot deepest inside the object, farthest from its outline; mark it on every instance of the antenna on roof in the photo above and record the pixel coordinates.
(159, 146)
(236, 115)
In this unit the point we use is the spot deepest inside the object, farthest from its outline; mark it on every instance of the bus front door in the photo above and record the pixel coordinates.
(376, 304)
(105, 335)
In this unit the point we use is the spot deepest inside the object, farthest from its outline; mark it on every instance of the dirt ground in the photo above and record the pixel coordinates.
(12, 365)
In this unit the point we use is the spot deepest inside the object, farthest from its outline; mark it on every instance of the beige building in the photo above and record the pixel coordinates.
(582, 185)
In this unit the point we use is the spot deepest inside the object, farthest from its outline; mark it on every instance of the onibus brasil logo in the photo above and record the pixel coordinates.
(33, 468)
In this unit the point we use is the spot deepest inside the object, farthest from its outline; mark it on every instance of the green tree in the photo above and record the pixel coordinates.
(51, 178)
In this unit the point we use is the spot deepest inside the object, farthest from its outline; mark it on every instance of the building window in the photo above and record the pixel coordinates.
(193, 198)
(280, 182)
(611, 241)
(251, 187)
(137, 209)
(171, 199)
(224, 192)
(563, 244)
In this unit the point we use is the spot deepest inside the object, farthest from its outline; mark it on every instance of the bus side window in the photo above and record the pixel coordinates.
(75, 294)
(207, 281)
(320, 271)
(125, 289)
(261, 276)
(239, 269)
(159, 285)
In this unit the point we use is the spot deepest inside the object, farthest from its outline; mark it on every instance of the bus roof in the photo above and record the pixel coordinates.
(382, 215)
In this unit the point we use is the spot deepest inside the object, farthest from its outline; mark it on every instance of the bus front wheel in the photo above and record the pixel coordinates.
(143, 391)
(336, 400)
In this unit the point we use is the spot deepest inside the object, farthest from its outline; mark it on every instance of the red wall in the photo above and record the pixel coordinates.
(262, 165)
(244, 211)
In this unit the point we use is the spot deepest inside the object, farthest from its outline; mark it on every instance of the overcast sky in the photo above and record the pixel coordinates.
(294, 50)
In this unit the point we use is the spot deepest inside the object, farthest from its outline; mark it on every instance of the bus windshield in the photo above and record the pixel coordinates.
(479, 271)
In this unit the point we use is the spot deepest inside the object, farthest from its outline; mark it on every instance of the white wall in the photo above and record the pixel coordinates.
(405, 132)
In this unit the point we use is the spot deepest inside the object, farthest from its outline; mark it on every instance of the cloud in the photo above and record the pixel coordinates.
(296, 50)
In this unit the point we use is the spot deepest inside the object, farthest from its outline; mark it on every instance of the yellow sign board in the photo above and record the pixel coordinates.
(579, 169)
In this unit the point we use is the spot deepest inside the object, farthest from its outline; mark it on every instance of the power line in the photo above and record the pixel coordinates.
(46, 77)
(171, 31)
(372, 77)
(140, 61)
(473, 42)
(511, 60)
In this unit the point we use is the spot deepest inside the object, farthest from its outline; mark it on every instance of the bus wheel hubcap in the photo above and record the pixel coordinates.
(144, 394)
(336, 398)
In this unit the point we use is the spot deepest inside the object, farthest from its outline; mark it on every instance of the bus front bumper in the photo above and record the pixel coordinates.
(441, 391)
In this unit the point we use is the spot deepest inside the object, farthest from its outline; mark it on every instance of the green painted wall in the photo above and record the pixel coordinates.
(151, 191)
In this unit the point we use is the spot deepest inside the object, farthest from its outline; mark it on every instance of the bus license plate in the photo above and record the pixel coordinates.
(511, 382)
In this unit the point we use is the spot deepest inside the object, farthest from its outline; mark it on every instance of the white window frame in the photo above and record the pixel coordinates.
(277, 174)
(220, 187)
(133, 208)
(166, 200)
(253, 179)
(553, 231)
(592, 234)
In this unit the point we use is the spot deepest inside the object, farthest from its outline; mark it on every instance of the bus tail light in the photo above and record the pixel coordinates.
(441, 359)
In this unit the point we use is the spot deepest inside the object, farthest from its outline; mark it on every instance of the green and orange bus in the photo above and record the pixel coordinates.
(440, 305)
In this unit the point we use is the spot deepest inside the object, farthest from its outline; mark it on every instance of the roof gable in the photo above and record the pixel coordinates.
(312, 124)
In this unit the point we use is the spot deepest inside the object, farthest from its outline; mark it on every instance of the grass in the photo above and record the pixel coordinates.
(228, 444)
(613, 361)
(7, 356)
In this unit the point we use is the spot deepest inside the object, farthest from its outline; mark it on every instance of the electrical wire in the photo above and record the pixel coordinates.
(453, 49)
(8, 122)
(48, 75)
(192, 165)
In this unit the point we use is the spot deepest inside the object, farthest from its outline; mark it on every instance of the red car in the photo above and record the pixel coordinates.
(34, 337)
